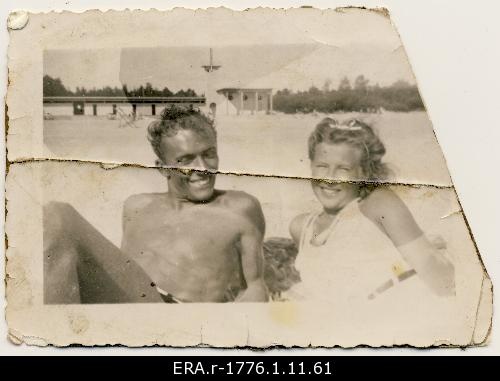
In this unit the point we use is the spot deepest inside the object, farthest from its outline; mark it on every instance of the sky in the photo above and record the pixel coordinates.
(296, 67)
(277, 52)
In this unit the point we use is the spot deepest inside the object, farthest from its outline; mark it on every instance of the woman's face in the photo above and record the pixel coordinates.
(337, 162)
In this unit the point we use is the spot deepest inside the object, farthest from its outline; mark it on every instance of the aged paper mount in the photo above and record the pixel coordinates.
(230, 179)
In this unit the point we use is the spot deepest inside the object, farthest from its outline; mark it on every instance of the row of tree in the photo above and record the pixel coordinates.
(361, 96)
(400, 96)
(53, 87)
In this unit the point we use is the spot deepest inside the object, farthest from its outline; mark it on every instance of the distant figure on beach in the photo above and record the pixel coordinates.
(213, 110)
(364, 243)
(193, 243)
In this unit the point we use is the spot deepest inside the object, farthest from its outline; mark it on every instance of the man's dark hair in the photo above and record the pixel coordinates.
(176, 118)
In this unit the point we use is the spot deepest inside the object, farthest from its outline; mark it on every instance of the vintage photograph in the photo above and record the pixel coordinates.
(295, 176)
(197, 243)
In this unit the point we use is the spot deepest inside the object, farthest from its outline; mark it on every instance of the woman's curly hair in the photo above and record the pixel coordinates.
(357, 134)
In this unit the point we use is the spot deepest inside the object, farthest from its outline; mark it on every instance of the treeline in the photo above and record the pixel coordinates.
(53, 87)
(361, 97)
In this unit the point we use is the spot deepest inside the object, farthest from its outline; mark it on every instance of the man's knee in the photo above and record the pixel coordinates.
(57, 223)
(57, 216)
(59, 250)
(57, 208)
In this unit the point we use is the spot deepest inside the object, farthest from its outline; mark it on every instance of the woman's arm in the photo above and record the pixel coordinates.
(296, 227)
(392, 216)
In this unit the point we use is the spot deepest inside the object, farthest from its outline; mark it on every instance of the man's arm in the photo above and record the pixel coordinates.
(132, 208)
(147, 261)
(127, 214)
(252, 258)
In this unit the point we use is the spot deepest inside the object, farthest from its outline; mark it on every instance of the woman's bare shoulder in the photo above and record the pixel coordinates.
(384, 207)
(297, 225)
(382, 202)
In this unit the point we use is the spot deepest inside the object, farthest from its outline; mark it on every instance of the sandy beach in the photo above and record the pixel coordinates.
(255, 144)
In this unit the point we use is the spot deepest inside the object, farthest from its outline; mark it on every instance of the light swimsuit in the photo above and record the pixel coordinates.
(352, 260)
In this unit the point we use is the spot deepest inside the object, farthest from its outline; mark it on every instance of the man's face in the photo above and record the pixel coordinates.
(192, 151)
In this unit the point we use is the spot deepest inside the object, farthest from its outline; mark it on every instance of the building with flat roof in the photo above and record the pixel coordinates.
(83, 105)
(239, 100)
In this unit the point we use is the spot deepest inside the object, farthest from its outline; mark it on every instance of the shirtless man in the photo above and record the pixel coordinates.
(190, 244)
(196, 243)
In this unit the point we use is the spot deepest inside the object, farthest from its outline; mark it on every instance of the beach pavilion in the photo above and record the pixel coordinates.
(238, 100)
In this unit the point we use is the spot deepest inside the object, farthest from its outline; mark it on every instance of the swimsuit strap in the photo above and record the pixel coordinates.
(322, 237)
(391, 283)
(167, 296)
(325, 234)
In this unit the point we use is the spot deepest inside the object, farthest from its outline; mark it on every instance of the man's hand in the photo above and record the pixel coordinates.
(255, 292)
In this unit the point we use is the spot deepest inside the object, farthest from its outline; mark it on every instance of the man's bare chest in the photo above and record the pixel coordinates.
(194, 231)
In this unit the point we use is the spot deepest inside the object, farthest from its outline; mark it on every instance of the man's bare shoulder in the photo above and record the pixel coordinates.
(239, 200)
(138, 202)
(245, 204)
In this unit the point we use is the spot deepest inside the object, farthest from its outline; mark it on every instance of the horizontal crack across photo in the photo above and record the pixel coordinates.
(188, 171)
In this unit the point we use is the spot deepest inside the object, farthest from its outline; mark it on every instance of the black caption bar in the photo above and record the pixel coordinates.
(338, 367)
